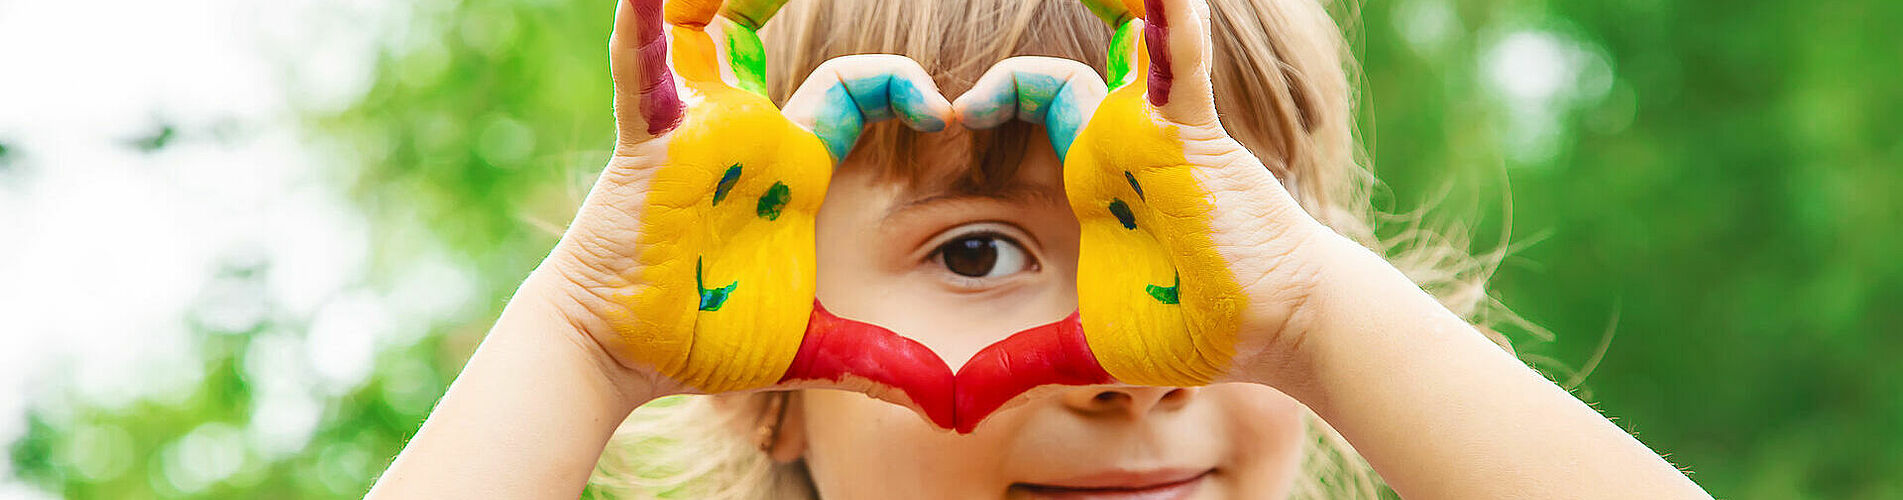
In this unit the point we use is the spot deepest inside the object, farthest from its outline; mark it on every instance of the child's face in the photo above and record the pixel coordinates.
(958, 272)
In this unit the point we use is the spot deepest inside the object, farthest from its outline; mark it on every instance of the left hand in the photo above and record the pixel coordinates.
(1195, 265)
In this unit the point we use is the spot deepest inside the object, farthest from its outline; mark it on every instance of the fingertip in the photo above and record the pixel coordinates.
(643, 78)
(1176, 39)
(752, 13)
(1156, 34)
(990, 102)
(691, 13)
(918, 103)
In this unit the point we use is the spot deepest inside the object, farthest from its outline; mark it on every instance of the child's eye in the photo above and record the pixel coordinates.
(976, 256)
(983, 256)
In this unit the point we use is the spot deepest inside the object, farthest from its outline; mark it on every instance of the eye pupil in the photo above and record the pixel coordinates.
(971, 256)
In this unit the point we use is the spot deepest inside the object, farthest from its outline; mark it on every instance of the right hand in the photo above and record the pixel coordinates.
(691, 263)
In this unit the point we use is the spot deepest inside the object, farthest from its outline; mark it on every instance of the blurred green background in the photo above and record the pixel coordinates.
(1702, 199)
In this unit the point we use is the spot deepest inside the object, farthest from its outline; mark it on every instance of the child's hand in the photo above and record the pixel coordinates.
(1194, 262)
(691, 264)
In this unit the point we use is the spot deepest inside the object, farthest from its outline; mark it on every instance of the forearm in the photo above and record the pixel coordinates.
(1442, 412)
(527, 418)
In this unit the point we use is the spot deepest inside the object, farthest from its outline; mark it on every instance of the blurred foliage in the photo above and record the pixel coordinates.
(1711, 182)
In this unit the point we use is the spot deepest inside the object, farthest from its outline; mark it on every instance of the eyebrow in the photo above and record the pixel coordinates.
(1012, 194)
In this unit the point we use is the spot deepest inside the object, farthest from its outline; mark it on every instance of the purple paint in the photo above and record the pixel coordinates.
(1156, 32)
(654, 90)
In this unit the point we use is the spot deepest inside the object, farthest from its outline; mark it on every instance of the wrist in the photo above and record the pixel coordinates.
(1356, 300)
(546, 310)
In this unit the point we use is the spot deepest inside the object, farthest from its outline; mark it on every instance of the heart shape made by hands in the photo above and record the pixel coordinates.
(1144, 333)
(836, 348)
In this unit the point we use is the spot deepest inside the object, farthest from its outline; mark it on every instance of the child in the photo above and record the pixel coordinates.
(976, 234)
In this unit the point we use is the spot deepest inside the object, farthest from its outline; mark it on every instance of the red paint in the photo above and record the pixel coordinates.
(1055, 353)
(654, 91)
(835, 348)
(1156, 34)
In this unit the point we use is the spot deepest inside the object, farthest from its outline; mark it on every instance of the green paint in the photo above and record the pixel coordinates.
(711, 300)
(746, 56)
(1110, 11)
(773, 201)
(1162, 294)
(1122, 211)
(1123, 47)
(751, 13)
(1133, 183)
(727, 181)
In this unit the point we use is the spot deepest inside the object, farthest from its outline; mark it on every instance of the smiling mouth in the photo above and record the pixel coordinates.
(1162, 485)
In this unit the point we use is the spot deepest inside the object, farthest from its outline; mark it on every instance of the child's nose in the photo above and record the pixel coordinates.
(1132, 401)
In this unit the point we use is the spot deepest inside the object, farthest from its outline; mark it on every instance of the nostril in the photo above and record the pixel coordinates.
(1108, 397)
(1175, 398)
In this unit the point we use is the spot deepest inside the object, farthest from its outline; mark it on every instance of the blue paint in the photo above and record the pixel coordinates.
(727, 181)
(850, 105)
(839, 122)
(1065, 118)
(1133, 184)
(873, 97)
(1034, 98)
(999, 106)
(910, 104)
(1035, 92)
(712, 299)
(1122, 211)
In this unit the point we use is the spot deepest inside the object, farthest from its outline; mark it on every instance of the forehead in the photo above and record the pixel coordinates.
(1011, 158)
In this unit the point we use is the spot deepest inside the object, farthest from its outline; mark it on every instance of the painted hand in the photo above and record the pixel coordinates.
(692, 260)
(1191, 265)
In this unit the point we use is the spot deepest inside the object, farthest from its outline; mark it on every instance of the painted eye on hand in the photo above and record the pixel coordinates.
(984, 255)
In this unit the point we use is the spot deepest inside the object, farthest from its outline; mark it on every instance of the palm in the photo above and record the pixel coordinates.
(1182, 259)
(688, 201)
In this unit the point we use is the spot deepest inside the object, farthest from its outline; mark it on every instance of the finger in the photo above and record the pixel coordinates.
(1060, 94)
(1124, 17)
(746, 56)
(646, 102)
(1052, 354)
(1115, 12)
(1125, 53)
(845, 94)
(691, 13)
(1176, 34)
(840, 353)
(751, 13)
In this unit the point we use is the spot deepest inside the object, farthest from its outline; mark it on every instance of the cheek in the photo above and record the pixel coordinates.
(1269, 430)
(858, 447)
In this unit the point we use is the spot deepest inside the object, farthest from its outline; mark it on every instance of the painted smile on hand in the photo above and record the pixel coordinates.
(1131, 326)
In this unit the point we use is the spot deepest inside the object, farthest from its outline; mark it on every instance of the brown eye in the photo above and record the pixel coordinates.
(983, 255)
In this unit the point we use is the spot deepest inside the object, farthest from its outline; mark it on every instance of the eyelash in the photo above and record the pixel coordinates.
(937, 256)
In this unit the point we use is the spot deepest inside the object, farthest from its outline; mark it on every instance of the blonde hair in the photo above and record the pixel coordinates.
(1282, 73)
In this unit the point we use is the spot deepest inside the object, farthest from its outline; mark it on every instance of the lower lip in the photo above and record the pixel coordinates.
(1168, 491)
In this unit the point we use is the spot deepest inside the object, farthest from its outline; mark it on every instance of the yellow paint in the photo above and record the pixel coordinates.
(1115, 12)
(1136, 338)
(752, 339)
(690, 13)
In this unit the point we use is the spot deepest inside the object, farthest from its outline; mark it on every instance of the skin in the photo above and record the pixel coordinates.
(1267, 297)
(875, 241)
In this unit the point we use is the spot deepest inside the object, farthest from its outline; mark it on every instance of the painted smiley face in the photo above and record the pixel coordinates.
(736, 217)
